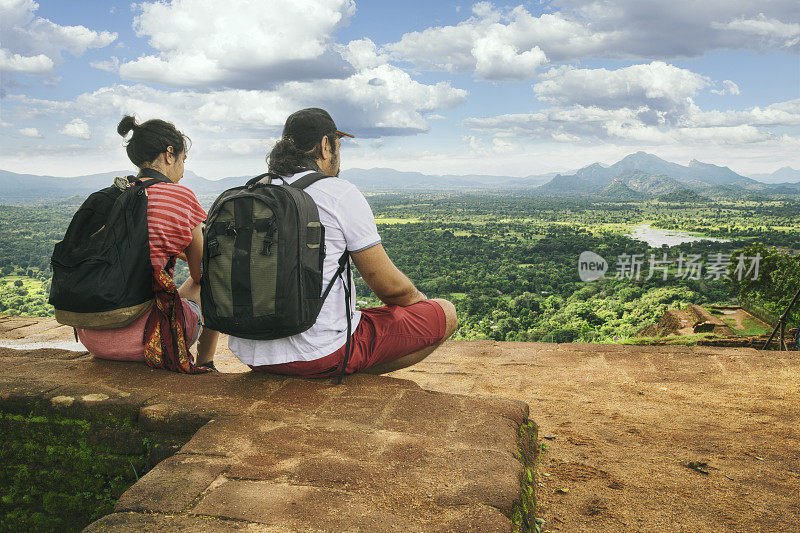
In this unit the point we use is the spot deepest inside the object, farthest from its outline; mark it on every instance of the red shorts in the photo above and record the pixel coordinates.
(383, 334)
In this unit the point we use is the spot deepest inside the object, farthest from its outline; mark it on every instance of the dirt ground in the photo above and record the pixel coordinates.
(742, 319)
(623, 425)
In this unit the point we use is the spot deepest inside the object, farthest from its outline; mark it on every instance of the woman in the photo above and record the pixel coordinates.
(174, 219)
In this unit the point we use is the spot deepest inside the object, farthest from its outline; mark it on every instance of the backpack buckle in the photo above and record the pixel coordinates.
(213, 248)
(230, 229)
(267, 243)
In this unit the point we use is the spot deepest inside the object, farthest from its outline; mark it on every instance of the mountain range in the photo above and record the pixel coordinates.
(782, 175)
(28, 188)
(637, 176)
(645, 175)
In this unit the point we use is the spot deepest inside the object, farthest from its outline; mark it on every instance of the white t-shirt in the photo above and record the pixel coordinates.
(349, 224)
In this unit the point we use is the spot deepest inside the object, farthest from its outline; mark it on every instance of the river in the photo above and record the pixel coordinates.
(656, 237)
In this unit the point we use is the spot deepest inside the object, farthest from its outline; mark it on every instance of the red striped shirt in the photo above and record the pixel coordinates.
(172, 212)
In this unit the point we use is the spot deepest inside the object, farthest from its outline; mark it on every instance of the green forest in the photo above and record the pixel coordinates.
(509, 262)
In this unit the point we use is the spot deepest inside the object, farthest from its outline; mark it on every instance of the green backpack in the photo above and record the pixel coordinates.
(263, 253)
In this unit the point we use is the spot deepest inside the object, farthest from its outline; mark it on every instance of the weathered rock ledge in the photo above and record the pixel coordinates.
(280, 454)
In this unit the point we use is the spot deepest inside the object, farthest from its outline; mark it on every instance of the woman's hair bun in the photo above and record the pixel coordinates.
(150, 138)
(125, 125)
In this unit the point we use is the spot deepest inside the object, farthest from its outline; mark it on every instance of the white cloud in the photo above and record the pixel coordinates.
(77, 128)
(483, 43)
(606, 29)
(681, 28)
(31, 132)
(561, 137)
(502, 145)
(363, 53)
(781, 114)
(475, 144)
(729, 135)
(239, 43)
(33, 45)
(39, 64)
(500, 61)
(638, 104)
(447, 48)
(585, 124)
(663, 91)
(232, 120)
(110, 65)
(592, 124)
(728, 87)
(499, 145)
(766, 32)
(577, 120)
(242, 147)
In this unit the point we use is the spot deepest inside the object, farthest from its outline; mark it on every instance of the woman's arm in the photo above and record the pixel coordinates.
(194, 253)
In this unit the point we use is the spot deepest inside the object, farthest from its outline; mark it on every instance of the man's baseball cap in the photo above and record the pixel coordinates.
(308, 126)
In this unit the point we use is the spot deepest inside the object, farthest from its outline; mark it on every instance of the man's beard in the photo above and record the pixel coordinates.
(335, 162)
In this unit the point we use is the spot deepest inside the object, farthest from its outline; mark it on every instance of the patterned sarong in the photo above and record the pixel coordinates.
(164, 338)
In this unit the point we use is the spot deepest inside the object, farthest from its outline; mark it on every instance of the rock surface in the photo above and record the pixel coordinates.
(280, 454)
(623, 424)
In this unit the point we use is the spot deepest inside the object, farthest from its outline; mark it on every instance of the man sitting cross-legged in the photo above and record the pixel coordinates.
(384, 339)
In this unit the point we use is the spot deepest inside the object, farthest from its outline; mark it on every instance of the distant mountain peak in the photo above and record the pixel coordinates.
(787, 174)
(641, 156)
(645, 173)
(619, 190)
(699, 164)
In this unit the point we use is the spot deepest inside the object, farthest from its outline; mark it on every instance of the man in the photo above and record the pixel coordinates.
(384, 339)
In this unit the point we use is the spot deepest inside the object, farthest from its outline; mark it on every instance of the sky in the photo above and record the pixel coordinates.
(442, 87)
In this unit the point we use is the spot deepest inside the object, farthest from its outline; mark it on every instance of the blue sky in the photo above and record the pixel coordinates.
(435, 87)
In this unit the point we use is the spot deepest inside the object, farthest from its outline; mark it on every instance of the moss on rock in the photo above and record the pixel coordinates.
(59, 473)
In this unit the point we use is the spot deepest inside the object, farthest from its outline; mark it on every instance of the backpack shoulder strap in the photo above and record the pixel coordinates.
(307, 180)
(134, 180)
(252, 182)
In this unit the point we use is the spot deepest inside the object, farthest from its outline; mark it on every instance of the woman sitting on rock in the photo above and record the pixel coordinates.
(163, 336)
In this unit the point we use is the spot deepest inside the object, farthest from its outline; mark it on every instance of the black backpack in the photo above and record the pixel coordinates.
(263, 254)
(102, 275)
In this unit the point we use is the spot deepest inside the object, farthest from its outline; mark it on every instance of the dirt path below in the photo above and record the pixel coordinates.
(742, 322)
(623, 425)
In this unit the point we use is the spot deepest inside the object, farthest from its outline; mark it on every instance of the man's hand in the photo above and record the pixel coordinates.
(385, 279)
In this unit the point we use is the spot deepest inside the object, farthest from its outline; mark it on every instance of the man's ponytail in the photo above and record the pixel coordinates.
(286, 158)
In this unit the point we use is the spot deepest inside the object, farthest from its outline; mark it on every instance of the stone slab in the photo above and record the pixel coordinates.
(159, 523)
(173, 485)
(282, 454)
